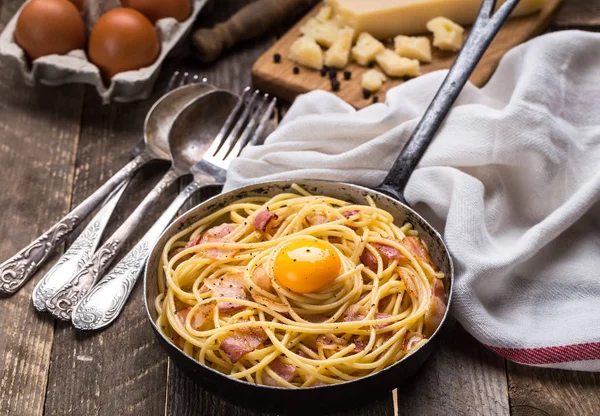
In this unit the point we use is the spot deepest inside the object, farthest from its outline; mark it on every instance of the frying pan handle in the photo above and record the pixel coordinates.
(483, 31)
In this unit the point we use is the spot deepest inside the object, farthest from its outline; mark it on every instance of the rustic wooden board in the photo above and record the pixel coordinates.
(38, 143)
(279, 79)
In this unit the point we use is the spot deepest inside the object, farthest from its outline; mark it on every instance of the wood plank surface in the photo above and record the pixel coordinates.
(39, 129)
(460, 378)
(279, 79)
(542, 391)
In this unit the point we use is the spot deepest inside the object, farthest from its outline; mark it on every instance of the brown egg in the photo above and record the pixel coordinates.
(159, 9)
(47, 27)
(123, 40)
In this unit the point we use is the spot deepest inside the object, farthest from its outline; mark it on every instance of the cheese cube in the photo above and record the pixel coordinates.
(337, 55)
(396, 66)
(387, 18)
(324, 33)
(366, 48)
(305, 51)
(414, 47)
(325, 14)
(372, 80)
(447, 35)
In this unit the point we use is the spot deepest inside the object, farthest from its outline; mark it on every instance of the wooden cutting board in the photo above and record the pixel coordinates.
(280, 80)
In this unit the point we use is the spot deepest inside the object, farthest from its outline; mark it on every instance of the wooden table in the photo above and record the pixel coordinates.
(57, 145)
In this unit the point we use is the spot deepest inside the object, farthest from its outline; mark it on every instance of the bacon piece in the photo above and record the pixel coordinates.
(418, 249)
(331, 342)
(369, 260)
(387, 252)
(231, 286)
(283, 370)
(382, 316)
(218, 233)
(359, 346)
(262, 220)
(194, 241)
(214, 234)
(200, 317)
(242, 341)
(437, 308)
(261, 278)
(350, 213)
(411, 339)
(317, 219)
(355, 313)
(358, 313)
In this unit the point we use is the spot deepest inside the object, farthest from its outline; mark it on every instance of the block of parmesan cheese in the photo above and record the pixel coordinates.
(305, 51)
(372, 80)
(323, 32)
(397, 66)
(337, 56)
(387, 18)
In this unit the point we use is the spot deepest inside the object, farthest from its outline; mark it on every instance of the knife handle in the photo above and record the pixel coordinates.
(252, 21)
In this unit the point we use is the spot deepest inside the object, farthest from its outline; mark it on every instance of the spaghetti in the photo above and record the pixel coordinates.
(298, 290)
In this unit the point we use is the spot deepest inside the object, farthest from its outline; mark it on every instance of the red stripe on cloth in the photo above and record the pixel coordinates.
(551, 355)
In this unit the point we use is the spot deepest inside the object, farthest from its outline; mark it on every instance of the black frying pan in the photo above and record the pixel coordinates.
(388, 196)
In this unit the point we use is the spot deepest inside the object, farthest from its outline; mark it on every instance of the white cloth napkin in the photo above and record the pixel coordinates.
(512, 179)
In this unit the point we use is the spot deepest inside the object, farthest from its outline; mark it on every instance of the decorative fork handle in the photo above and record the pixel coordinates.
(62, 303)
(105, 301)
(78, 254)
(15, 271)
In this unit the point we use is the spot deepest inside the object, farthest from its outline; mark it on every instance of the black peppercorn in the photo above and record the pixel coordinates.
(332, 72)
(296, 70)
(375, 99)
(371, 64)
(277, 58)
(335, 85)
(323, 71)
(347, 75)
(366, 94)
(406, 77)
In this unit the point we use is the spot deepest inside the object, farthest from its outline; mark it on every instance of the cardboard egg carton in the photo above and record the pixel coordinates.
(75, 67)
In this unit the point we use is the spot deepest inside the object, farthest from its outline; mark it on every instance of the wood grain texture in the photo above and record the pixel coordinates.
(119, 371)
(578, 14)
(280, 80)
(39, 129)
(460, 378)
(549, 392)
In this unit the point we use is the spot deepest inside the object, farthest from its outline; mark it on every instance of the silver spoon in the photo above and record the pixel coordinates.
(103, 304)
(185, 151)
(159, 118)
(15, 271)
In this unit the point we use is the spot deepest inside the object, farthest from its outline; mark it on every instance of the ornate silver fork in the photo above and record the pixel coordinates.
(104, 302)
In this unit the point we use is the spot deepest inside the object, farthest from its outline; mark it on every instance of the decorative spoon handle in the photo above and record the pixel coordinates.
(15, 271)
(62, 303)
(78, 254)
(105, 301)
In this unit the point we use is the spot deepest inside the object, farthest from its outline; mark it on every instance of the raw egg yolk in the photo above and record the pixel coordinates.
(306, 265)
